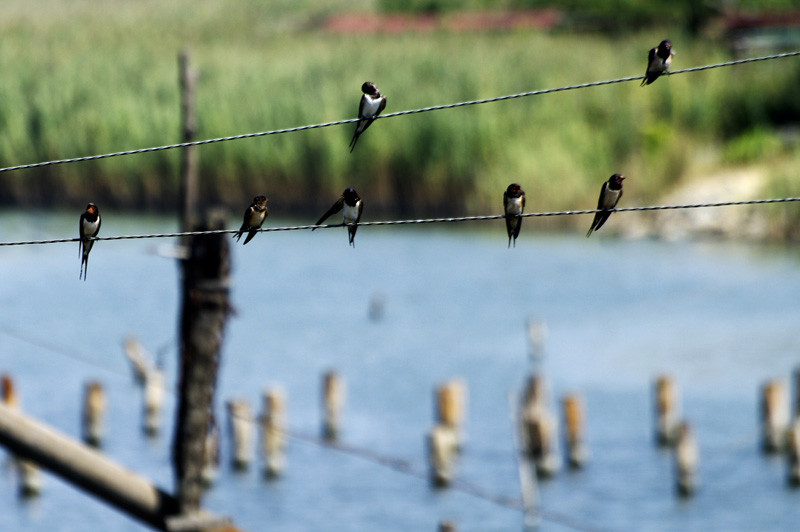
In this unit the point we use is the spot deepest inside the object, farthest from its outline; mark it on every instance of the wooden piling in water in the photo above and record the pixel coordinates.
(30, 478)
(774, 416)
(333, 398)
(574, 431)
(94, 413)
(451, 399)
(666, 410)
(447, 526)
(241, 424)
(537, 335)
(687, 457)
(154, 389)
(273, 432)
(539, 428)
(138, 358)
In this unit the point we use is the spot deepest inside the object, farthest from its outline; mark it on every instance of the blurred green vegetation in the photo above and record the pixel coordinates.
(96, 76)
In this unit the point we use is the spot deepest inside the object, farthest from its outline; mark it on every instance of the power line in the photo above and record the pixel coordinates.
(389, 115)
(415, 221)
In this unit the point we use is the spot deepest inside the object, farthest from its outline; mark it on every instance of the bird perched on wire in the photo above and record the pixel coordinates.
(351, 206)
(371, 105)
(254, 216)
(610, 194)
(658, 61)
(513, 205)
(88, 228)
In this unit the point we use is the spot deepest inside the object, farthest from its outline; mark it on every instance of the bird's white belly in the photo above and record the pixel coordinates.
(89, 228)
(515, 206)
(371, 106)
(350, 214)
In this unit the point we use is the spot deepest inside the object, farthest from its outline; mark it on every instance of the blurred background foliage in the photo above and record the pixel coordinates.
(96, 76)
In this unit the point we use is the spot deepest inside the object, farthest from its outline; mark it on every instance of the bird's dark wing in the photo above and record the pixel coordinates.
(337, 207)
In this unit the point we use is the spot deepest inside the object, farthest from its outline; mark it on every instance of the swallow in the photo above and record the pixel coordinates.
(513, 204)
(658, 61)
(88, 228)
(610, 194)
(371, 105)
(254, 216)
(351, 206)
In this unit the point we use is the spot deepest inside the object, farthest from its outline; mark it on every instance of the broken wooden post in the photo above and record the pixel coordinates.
(138, 358)
(574, 431)
(450, 400)
(154, 388)
(273, 432)
(687, 457)
(30, 479)
(774, 416)
(241, 424)
(204, 312)
(538, 428)
(333, 397)
(444, 440)
(793, 454)
(94, 412)
(666, 410)
(442, 450)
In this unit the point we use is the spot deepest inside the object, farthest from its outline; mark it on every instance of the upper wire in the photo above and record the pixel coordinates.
(389, 115)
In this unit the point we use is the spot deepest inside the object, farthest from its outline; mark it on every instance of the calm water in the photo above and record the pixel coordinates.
(721, 318)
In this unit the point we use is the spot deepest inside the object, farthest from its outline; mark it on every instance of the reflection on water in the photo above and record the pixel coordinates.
(721, 318)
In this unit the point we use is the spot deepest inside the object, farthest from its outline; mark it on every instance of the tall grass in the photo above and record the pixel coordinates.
(95, 76)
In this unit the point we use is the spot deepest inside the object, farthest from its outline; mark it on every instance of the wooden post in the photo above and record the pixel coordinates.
(450, 400)
(138, 358)
(30, 479)
(241, 424)
(333, 397)
(774, 416)
(666, 409)
(94, 412)
(442, 450)
(793, 454)
(204, 312)
(189, 189)
(154, 388)
(447, 526)
(687, 457)
(539, 428)
(574, 431)
(273, 432)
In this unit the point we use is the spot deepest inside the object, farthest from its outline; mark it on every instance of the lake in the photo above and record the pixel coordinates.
(721, 317)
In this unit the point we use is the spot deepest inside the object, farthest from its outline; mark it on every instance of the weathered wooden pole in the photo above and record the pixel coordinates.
(537, 336)
(333, 398)
(447, 526)
(687, 457)
(273, 432)
(240, 418)
(204, 312)
(138, 358)
(189, 188)
(774, 416)
(94, 412)
(85, 467)
(211, 454)
(539, 428)
(666, 402)
(445, 439)
(574, 431)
